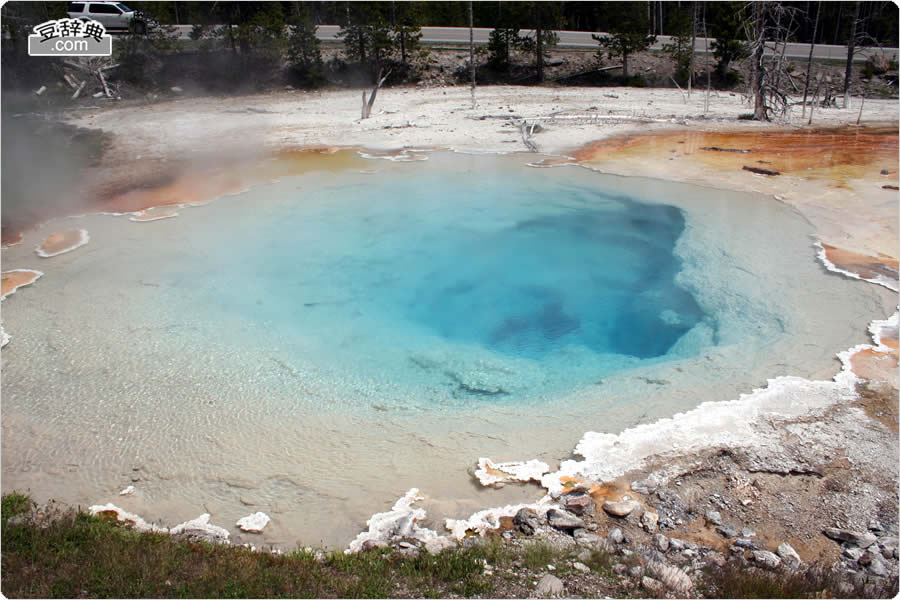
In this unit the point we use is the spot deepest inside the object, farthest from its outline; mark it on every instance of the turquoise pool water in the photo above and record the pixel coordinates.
(316, 346)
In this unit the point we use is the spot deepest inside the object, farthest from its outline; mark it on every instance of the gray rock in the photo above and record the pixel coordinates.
(671, 576)
(620, 509)
(765, 559)
(661, 542)
(863, 540)
(727, 530)
(644, 486)
(527, 521)
(583, 536)
(549, 586)
(716, 558)
(652, 585)
(714, 517)
(636, 571)
(743, 543)
(747, 533)
(578, 502)
(584, 555)
(649, 521)
(875, 526)
(787, 553)
(876, 566)
(616, 536)
(619, 568)
(559, 519)
(888, 545)
(666, 523)
(579, 566)
(676, 545)
(852, 552)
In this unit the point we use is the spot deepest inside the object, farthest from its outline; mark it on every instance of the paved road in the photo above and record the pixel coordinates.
(583, 39)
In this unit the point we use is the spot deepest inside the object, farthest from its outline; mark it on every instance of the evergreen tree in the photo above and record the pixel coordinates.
(680, 49)
(303, 51)
(628, 34)
(727, 27)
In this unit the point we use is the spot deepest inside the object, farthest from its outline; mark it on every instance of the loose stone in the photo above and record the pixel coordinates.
(620, 509)
(661, 542)
(559, 519)
(527, 521)
(579, 566)
(549, 586)
(578, 503)
(743, 543)
(747, 533)
(714, 517)
(787, 553)
(616, 536)
(644, 486)
(863, 540)
(766, 559)
(728, 530)
(583, 536)
(652, 585)
(649, 521)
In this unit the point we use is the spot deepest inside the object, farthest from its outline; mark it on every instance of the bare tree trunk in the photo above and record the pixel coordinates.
(851, 47)
(708, 77)
(539, 34)
(693, 42)
(472, 50)
(759, 17)
(367, 106)
(812, 47)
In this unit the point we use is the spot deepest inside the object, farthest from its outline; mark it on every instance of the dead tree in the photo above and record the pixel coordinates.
(367, 106)
(768, 23)
(851, 48)
(472, 51)
(812, 47)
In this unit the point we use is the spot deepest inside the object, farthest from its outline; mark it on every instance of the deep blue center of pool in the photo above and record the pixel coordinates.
(600, 275)
(444, 277)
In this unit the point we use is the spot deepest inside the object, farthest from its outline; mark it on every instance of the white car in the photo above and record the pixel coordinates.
(112, 15)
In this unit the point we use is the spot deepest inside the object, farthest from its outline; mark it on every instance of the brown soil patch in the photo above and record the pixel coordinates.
(13, 280)
(879, 400)
(61, 241)
(867, 267)
(842, 152)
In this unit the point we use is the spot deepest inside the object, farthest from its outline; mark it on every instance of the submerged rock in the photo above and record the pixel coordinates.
(201, 529)
(254, 523)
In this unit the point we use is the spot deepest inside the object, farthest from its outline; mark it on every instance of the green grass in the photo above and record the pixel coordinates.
(813, 582)
(69, 554)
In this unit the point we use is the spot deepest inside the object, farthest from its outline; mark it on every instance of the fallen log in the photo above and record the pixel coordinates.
(761, 171)
(78, 91)
(717, 149)
(103, 83)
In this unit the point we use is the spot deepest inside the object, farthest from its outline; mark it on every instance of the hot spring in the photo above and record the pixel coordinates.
(317, 345)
